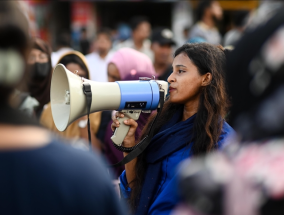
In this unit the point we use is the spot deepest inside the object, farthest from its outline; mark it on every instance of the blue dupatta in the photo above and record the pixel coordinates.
(173, 136)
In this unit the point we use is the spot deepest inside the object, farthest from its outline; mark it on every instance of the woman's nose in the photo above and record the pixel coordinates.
(171, 78)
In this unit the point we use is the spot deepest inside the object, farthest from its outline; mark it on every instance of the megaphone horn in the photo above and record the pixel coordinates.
(68, 101)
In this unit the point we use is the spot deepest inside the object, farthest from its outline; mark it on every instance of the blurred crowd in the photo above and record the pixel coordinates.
(246, 178)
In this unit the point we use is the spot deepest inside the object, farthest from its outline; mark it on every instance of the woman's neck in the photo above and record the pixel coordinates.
(190, 108)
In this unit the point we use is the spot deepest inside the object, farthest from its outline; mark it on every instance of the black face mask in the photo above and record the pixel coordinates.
(40, 70)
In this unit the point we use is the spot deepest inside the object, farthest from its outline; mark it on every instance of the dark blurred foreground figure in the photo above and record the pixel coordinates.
(40, 175)
(248, 179)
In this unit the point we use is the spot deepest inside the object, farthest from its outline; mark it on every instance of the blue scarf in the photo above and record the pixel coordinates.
(173, 136)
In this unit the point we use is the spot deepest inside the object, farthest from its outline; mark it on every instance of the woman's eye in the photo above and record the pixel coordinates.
(181, 71)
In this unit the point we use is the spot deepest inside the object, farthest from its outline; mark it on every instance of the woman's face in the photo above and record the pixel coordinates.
(37, 56)
(185, 81)
(113, 73)
(74, 66)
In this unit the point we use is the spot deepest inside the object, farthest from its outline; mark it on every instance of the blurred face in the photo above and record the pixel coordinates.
(185, 81)
(74, 66)
(216, 11)
(37, 56)
(162, 53)
(142, 31)
(103, 43)
(113, 73)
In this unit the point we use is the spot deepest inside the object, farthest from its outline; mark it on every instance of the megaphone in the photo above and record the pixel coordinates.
(68, 101)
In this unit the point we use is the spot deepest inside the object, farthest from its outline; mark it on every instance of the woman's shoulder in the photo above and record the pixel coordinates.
(227, 131)
(227, 128)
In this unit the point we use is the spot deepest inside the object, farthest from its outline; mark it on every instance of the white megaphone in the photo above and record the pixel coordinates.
(68, 101)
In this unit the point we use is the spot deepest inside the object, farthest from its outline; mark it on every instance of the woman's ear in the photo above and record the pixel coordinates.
(207, 78)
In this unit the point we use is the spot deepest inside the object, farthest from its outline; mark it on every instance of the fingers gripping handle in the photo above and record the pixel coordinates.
(121, 132)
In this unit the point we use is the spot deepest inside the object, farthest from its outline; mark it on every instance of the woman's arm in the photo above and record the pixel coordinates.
(129, 141)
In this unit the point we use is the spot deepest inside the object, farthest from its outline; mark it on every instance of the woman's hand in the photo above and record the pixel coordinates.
(129, 140)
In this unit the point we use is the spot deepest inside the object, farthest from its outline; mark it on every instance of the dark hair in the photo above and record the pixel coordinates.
(73, 58)
(202, 6)
(13, 35)
(212, 108)
(63, 39)
(106, 32)
(136, 21)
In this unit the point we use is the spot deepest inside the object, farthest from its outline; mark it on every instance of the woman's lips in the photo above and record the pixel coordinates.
(171, 89)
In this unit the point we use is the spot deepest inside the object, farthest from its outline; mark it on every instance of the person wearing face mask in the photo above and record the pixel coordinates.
(39, 72)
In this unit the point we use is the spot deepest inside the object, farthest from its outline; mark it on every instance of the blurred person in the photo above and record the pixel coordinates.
(40, 72)
(209, 13)
(250, 171)
(141, 29)
(128, 64)
(63, 45)
(123, 33)
(39, 174)
(162, 42)
(240, 20)
(84, 42)
(191, 123)
(75, 61)
(98, 59)
(125, 60)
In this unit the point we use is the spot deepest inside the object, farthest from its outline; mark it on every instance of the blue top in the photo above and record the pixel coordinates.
(55, 179)
(166, 197)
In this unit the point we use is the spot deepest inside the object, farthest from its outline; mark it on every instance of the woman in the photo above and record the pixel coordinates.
(75, 61)
(125, 65)
(40, 174)
(125, 60)
(192, 123)
(39, 67)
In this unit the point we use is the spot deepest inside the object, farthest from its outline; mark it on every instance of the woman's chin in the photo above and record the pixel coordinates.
(174, 101)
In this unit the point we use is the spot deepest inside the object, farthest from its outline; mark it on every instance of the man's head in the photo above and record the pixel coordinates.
(103, 41)
(209, 8)
(162, 42)
(141, 28)
(63, 40)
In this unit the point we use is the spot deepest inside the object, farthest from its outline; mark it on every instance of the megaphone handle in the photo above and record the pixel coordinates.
(121, 131)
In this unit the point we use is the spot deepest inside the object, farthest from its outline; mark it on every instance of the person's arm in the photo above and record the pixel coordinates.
(129, 141)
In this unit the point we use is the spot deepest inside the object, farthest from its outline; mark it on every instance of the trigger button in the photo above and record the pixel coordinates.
(131, 111)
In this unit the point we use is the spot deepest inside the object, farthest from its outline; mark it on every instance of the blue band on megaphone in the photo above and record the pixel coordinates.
(142, 95)
(156, 94)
